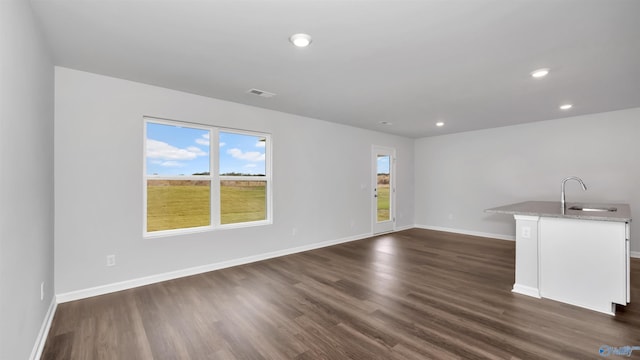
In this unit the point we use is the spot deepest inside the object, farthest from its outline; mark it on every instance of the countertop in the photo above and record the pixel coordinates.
(554, 209)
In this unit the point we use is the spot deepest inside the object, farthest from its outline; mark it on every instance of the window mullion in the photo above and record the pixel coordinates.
(214, 150)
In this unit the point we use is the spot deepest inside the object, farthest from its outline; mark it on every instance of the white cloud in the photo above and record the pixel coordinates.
(163, 151)
(171, 164)
(222, 144)
(196, 150)
(204, 140)
(254, 156)
(261, 144)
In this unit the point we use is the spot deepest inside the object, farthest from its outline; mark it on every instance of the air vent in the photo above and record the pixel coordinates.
(261, 93)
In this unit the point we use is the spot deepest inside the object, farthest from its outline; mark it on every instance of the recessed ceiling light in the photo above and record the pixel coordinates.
(566, 107)
(540, 73)
(385, 123)
(440, 124)
(300, 40)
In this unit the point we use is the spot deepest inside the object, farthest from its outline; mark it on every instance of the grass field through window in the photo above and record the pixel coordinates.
(242, 201)
(383, 202)
(176, 204)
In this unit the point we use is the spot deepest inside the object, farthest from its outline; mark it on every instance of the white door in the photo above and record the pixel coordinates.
(384, 191)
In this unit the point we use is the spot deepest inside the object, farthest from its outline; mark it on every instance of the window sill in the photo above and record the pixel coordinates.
(201, 229)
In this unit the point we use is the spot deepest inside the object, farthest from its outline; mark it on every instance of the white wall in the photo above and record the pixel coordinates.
(463, 174)
(26, 180)
(319, 168)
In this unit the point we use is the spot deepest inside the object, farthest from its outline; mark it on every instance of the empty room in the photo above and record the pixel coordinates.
(319, 179)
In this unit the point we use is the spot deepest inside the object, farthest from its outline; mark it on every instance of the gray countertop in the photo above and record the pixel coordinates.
(554, 209)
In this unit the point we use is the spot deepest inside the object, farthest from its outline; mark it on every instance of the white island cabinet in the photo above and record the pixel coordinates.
(576, 257)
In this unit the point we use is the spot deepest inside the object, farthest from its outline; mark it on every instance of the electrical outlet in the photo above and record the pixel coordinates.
(526, 232)
(111, 260)
(42, 291)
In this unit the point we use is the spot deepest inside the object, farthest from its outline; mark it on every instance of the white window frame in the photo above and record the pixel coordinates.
(214, 177)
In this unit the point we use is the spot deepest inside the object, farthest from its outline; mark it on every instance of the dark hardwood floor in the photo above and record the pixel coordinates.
(415, 294)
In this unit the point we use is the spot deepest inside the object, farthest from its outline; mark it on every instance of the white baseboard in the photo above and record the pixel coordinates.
(634, 254)
(133, 283)
(394, 230)
(526, 290)
(467, 232)
(36, 353)
(401, 228)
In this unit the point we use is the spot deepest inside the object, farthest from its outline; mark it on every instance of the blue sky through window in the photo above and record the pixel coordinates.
(383, 164)
(174, 151)
(244, 154)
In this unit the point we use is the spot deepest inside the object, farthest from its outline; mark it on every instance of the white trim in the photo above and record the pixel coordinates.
(634, 254)
(609, 308)
(175, 232)
(526, 217)
(467, 232)
(36, 352)
(178, 177)
(526, 290)
(245, 224)
(129, 284)
(402, 228)
(214, 164)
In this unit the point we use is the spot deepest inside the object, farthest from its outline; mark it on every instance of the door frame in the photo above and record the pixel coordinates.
(379, 227)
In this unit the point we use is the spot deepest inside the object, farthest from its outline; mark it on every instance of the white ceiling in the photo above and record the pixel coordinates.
(411, 63)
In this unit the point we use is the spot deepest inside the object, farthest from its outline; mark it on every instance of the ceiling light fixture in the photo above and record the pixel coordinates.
(540, 73)
(440, 124)
(566, 107)
(300, 40)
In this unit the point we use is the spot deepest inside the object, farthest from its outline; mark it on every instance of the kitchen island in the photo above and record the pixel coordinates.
(576, 253)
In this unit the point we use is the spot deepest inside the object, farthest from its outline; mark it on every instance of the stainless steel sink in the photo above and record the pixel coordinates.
(595, 208)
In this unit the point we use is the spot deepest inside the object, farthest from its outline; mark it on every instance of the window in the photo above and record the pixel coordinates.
(382, 188)
(201, 177)
(243, 187)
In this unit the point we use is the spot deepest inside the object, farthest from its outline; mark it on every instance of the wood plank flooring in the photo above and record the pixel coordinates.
(415, 294)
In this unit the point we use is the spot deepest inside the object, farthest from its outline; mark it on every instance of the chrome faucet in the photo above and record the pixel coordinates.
(584, 187)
